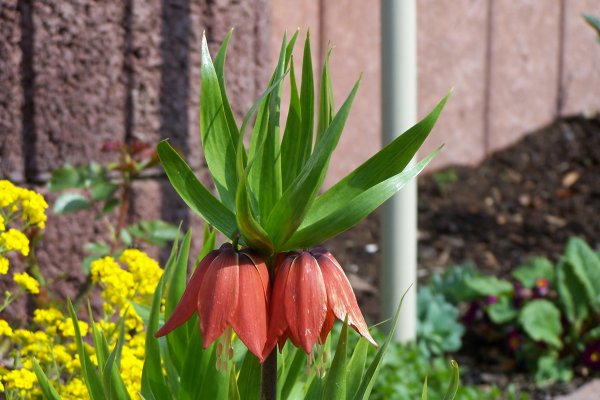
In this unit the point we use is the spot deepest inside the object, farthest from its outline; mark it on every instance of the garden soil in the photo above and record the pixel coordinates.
(523, 201)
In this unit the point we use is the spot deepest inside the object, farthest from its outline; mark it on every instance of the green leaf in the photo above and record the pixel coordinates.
(424, 391)
(264, 178)
(70, 202)
(65, 177)
(248, 381)
(534, 269)
(177, 340)
(356, 367)
(218, 141)
(361, 206)
(88, 371)
(335, 381)
(389, 161)
(220, 71)
(593, 22)
(541, 321)
(113, 383)
(193, 193)
(291, 374)
(100, 342)
(502, 311)
(586, 267)
(489, 285)
(307, 94)
(370, 376)
(289, 211)
(455, 380)
(296, 145)
(572, 295)
(154, 385)
(48, 390)
(233, 393)
(103, 190)
(325, 99)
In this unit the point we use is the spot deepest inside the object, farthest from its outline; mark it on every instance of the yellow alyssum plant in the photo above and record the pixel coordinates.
(50, 339)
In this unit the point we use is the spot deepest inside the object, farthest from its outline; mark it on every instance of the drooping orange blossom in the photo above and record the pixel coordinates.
(310, 291)
(230, 291)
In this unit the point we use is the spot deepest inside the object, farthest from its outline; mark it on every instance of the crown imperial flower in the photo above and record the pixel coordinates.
(310, 291)
(229, 290)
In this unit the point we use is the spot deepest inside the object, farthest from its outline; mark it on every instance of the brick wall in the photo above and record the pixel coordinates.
(515, 65)
(74, 74)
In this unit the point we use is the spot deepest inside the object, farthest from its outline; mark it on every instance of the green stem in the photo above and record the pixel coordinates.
(268, 377)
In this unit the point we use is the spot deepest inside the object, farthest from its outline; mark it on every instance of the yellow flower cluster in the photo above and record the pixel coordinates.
(25, 281)
(146, 272)
(3, 265)
(14, 240)
(52, 342)
(22, 382)
(32, 204)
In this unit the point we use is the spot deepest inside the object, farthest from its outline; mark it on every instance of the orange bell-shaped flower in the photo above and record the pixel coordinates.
(309, 292)
(230, 290)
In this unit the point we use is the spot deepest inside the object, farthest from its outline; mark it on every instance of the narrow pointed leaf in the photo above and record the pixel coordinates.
(362, 205)
(454, 382)
(154, 385)
(248, 381)
(111, 378)
(356, 367)
(193, 192)
(370, 376)
(177, 340)
(90, 375)
(389, 161)
(217, 140)
(325, 99)
(289, 211)
(233, 393)
(289, 50)
(307, 91)
(219, 65)
(294, 369)
(264, 179)
(297, 143)
(335, 381)
(48, 390)
(424, 392)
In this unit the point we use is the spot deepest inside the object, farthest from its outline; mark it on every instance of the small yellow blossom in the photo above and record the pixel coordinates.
(5, 329)
(25, 281)
(117, 283)
(3, 265)
(14, 240)
(68, 330)
(9, 193)
(20, 380)
(34, 208)
(2, 224)
(75, 389)
(146, 271)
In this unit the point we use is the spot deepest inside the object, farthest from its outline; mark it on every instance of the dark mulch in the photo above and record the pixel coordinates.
(526, 200)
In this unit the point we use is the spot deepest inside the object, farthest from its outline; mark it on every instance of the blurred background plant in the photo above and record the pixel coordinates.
(107, 190)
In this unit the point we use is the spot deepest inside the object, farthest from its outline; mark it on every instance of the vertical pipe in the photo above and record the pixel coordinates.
(399, 108)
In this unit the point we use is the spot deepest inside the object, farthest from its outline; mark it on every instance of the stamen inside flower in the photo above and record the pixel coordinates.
(317, 359)
(224, 349)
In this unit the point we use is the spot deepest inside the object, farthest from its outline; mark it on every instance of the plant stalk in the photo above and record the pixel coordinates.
(268, 377)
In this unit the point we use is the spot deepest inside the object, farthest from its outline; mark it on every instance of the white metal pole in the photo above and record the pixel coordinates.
(399, 109)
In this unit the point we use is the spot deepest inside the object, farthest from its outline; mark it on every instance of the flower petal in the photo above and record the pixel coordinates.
(305, 301)
(250, 318)
(218, 297)
(277, 323)
(340, 296)
(188, 302)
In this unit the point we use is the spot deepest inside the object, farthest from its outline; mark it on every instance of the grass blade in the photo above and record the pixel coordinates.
(48, 390)
(453, 386)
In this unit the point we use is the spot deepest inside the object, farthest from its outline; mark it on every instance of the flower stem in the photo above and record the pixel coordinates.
(268, 377)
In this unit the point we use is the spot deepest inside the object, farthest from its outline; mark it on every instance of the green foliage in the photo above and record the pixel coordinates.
(594, 22)
(438, 329)
(535, 306)
(268, 193)
(452, 284)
